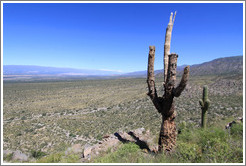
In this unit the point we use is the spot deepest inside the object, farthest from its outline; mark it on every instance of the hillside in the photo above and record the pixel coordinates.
(49, 118)
(220, 66)
(43, 121)
(228, 65)
(144, 73)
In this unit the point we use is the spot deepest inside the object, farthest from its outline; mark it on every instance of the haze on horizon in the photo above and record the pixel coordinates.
(116, 37)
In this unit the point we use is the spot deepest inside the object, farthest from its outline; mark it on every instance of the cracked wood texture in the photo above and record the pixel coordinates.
(165, 104)
(167, 43)
(151, 79)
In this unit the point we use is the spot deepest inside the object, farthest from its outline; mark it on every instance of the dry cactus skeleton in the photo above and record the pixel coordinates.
(165, 104)
(167, 43)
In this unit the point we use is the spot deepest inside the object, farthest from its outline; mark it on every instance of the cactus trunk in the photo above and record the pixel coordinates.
(204, 118)
(204, 106)
(165, 104)
(168, 134)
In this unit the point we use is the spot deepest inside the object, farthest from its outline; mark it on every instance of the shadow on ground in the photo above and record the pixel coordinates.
(142, 144)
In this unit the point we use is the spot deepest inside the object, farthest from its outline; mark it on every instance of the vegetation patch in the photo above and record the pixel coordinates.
(65, 113)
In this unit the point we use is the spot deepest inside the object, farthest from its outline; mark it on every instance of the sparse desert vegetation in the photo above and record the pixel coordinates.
(45, 118)
(96, 112)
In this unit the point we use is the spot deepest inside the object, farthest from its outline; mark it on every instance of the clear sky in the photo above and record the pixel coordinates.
(118, 36)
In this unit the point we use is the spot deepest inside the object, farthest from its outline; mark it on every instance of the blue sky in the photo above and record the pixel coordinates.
(118, 36)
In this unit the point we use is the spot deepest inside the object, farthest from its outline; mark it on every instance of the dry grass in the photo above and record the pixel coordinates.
(50, 116)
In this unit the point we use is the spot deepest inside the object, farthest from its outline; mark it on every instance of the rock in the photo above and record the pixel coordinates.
(7, 152)
(139, 131)
(67, 151)
(229, 125)
(139, 136)
(102, 109)
(240, 119)
(76, 148)
(88, 157)
(18, 155)
(111, 142)
(87, 151)
(7, 155)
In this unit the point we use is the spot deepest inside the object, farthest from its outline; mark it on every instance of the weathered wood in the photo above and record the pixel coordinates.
(151, 74)
(165, 104)
(168, 134)
(177, 91)
(168, 43)
(151, 79)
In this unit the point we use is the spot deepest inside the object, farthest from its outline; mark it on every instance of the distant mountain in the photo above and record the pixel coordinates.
(220, 66)
(40, 70)
(227, 65)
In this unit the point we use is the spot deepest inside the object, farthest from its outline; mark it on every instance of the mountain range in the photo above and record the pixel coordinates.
(220, 66)
(227, 65)
(41, 70)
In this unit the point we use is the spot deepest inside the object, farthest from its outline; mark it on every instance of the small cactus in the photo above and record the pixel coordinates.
(204, 102)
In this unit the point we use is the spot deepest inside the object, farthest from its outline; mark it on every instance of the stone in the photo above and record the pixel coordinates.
(76, 148)
(18, 155)
(139, 131)
(7, 152)
(87, 151)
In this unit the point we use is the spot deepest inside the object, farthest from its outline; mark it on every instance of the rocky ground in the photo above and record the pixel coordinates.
(82, 115)
(139, 136)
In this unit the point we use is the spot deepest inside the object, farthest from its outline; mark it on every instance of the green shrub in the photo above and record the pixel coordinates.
(99, 137)
(217, 146)
(236, 154)
(212, 145)
(72, 135)
(72, 158)
(53, 158)
(237, 130)
(8, 157)
(19, 134)
(209, 137)
(23, 118)
(187, 152)
(37, 154)
(126, 153)
(188, 134)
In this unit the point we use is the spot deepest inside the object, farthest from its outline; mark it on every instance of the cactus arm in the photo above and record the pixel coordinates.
(201, 103)
(206, 104)
(178, 90)
(151, 79)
